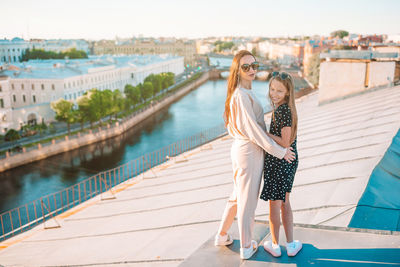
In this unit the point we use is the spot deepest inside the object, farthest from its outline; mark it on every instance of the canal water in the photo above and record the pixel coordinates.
(199, 110)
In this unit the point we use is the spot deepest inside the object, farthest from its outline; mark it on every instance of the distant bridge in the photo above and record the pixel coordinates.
(223, 73)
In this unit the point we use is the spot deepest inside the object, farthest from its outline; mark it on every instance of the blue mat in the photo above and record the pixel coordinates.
(379, 206)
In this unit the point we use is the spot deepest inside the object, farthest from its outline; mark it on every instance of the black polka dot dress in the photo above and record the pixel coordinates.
(278, 173)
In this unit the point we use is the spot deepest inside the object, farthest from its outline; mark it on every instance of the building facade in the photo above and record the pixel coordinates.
(186, 49)
(348, 72)
(12, 51)
(5, 105)
(29, 88)
(284, 52)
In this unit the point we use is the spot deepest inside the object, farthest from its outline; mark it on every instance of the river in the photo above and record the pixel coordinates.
(199, 110)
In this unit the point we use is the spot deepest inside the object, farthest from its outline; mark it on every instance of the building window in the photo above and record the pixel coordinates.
(22, 86)
(1, 89)
(14, 98)
(34, 99)
(53, 87)
(12, 86)
(24, 98)
(42, 86)
(33, 87)
(1, 103)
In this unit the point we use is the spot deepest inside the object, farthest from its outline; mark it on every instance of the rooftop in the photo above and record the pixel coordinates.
(355, 54)
(169, 216)
(65, 68)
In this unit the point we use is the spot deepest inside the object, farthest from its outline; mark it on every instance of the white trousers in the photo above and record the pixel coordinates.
(247, 164)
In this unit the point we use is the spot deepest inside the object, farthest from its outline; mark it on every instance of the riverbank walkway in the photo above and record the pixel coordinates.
(169, 215)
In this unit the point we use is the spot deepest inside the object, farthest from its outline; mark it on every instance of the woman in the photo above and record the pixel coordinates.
(244, 119)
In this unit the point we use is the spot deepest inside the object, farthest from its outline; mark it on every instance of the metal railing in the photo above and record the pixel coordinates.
(39, 211)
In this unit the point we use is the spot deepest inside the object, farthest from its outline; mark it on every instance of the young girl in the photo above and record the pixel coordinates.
(279, 174)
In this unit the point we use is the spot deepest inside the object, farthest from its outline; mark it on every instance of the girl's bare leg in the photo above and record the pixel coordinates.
(287, 219)
(274, 219)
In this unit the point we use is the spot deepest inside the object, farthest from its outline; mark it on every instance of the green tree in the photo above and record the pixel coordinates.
(64, 111)
(147, 90)
(98, 104)
(157, 84)
(117, 103)
(80, 114)
(220, 45)
(168, 79)
(313, 69)
(136, 94)
(254, 51)
(128, 91)
(85, 112)
(42, 54)
(339, 33)
(80, 117)
(149, 78)
(156, 80)
(12, 135)
(107, 108)
(133, 94)
(73, 54)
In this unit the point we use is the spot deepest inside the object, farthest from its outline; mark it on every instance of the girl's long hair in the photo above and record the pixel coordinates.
(290, 100)
(233, 81)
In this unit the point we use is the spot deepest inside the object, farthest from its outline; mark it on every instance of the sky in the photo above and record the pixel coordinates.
(107, 19)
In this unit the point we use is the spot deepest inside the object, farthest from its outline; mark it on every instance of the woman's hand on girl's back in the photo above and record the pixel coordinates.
(290, 155)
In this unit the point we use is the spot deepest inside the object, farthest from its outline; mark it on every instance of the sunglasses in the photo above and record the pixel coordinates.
(246, 67)
(283, 75)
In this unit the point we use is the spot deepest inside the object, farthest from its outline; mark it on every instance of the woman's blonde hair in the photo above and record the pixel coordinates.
(288, 82)
(233, 81)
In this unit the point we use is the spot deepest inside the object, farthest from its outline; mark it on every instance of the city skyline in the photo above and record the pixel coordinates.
(94, 20)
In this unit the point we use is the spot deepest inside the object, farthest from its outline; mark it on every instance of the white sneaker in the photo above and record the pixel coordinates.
(293, 248)
(273, 249)
(246, 253)
(224, 240)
